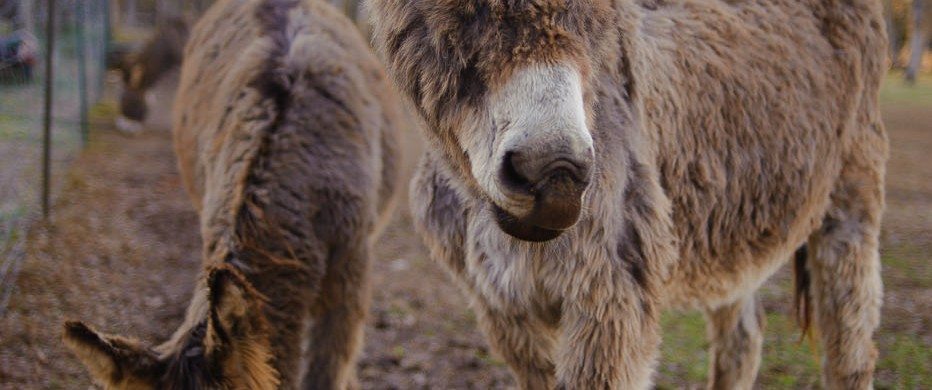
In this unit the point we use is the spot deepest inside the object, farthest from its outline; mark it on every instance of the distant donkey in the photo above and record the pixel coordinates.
(284, 127)
(141, 70)
(595, 162)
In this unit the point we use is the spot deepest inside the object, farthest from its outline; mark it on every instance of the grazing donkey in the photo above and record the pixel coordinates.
(284, 128)
(595, 162)
(160, 55)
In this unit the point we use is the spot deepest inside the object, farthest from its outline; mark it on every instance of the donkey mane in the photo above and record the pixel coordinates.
(188, 368)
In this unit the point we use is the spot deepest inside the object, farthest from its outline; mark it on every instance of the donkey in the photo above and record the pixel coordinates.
(596, 162)
(285, 127)
(160, 54)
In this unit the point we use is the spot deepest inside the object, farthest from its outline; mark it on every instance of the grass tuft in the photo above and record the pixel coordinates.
(894, 90)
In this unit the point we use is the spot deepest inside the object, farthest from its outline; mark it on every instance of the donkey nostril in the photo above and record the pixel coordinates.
(578, 171)
(525, 173)
(512, 171)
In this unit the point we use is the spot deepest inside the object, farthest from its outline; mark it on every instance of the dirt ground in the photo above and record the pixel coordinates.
(122, 251)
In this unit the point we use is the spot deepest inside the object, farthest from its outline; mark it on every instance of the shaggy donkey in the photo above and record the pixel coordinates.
(595, 162)
(284, 127)
(160, 54)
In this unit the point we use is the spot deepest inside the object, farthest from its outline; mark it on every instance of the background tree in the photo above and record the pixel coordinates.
(919, 39)
(895, 16)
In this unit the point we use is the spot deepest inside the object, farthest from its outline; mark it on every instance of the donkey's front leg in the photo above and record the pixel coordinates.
(608, 342)
(523, 341)
(736, 337)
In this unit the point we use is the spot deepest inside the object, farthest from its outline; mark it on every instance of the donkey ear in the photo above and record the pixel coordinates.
(112, 360)
(136, 74)
(232, 302)
(237, 334)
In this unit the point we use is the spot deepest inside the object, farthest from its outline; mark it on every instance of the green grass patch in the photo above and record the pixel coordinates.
(904, 263)
(909, 359)
(15, 128)
(787, 362)
(13, 212)
(683, 354)
(103, 111)
(894, 90)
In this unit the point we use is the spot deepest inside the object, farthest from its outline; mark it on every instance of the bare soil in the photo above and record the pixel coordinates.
(122, 252)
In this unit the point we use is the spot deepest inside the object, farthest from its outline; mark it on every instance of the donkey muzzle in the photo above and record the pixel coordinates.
(555, 181)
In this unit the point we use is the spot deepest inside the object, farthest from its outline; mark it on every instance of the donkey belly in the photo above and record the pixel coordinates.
(737, 221)
(709, 283)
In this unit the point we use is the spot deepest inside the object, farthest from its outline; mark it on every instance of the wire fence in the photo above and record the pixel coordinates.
(55, 50)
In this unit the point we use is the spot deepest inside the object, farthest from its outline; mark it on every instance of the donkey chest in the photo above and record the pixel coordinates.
(515, 276)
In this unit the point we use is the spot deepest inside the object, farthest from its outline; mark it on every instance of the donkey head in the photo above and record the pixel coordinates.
(504, 87)
(133, 105)
(227, 349)
(141, 70)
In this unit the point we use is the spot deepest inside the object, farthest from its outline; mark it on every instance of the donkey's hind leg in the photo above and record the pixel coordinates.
(339, 316)
(735, 332)
(846, 285)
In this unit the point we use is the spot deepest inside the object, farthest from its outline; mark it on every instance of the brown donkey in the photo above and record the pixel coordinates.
(160, 55)
(284, 129)
(595, 162)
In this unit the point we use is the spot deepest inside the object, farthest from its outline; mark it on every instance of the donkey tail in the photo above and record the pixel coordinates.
(803, 292)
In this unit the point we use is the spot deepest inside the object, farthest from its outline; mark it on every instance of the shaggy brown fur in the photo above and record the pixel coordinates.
(284, 129)
(227, 350)
(726, 135)
(160, 54)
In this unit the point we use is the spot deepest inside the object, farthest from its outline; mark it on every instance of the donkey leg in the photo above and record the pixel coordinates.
(339, 316)
(735, 332)
(524, 342)
(847, 289)
(609, 343)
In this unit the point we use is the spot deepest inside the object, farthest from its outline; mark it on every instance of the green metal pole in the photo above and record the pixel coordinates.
(47, 117)
(107, 39)
(82, 67)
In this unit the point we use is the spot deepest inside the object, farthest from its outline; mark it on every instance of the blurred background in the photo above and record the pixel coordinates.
(94, 223)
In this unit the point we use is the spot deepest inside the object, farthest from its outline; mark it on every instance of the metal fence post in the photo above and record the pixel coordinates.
(80, 48)
(47, 114)
(102, 74)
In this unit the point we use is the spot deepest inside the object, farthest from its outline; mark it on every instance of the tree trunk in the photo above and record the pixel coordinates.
(130, 12)
(27, 15)
(893, 44)
(116, 17)
(917, 42)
